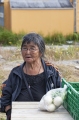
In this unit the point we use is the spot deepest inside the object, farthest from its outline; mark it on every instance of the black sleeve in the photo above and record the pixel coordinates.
(7, 92)
(58, 80)
(56, 77)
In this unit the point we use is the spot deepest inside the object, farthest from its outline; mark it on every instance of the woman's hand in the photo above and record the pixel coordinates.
(8, 114)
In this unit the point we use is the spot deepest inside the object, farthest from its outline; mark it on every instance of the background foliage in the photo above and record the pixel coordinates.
(12, 39)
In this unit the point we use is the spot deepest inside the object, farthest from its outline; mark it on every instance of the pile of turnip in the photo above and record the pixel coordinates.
(53, 99)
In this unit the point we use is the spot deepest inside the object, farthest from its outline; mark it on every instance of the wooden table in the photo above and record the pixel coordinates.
(30, 111)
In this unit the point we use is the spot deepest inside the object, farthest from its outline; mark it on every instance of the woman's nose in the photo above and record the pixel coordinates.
(28, 51)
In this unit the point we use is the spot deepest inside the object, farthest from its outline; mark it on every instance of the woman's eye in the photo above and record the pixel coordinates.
(24, 48)
(32, 48)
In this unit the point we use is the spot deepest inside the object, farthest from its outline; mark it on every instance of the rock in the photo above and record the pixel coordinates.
(77, 67)
(1, 57)
(78, 61)
(69, 42)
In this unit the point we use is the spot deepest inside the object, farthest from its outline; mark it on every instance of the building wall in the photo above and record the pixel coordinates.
(2, 14)
(44, 21)
(77, 16)
(7, 23)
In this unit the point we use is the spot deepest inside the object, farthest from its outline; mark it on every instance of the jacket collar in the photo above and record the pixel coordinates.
(47, 71)
(18, 70)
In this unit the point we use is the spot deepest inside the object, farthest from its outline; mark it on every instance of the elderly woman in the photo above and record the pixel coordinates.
(31, 80)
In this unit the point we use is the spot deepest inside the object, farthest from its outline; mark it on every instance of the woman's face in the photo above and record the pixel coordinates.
(30, 52)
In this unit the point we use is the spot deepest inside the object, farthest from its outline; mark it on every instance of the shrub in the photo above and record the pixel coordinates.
(1, 29)
(58, 38)
(72, 37)
(75, 37)
(47, 39)
(78, 36)
(10, 38)
(69, 37)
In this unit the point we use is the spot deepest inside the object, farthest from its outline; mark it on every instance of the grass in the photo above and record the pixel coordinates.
(11, 54)
(56, 53)
(2, 116)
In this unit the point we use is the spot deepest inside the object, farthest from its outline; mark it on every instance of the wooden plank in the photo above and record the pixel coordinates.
(30, 111)
(25, 103)
(19, 110)
(29, 105)
(35, 111)
(41, 119)
(67, 116)
(43, 116)
(22, 106)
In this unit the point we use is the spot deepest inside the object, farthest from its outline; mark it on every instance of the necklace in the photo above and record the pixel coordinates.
(37, 73)
(38, 69)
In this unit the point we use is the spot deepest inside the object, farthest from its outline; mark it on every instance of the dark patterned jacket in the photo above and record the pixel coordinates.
(14, 82)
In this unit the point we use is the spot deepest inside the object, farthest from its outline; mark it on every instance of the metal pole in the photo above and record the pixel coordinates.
(74, 4)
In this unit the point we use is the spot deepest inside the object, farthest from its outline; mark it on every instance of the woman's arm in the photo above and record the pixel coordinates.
(7, 93)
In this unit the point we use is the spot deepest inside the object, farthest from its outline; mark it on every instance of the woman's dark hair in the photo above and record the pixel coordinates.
(36, 39)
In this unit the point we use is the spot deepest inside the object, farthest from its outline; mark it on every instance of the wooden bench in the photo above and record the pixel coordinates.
(30, 111)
